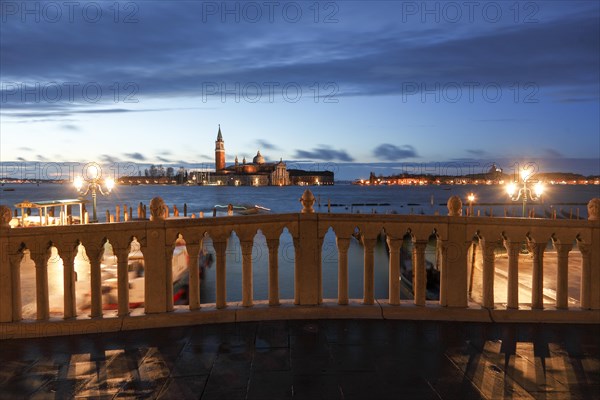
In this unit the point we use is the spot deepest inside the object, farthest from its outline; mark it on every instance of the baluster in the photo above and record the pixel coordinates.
(221, 248)
(246, 272)
(442, 246)
(369, 278)
(586, 275)
(96, 281)
(123, 281)
(169, 277)
(343, 244)
(562, 276)
(394, 270)
(489, 260)
(420, 282)
(17, 307)
(69, 284)
(513, 249)
(537, 284)
(296, 271)
(273, 245)
(41, 286)
(194, 271)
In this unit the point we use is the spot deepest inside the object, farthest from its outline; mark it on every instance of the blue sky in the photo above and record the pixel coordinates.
(353, 86)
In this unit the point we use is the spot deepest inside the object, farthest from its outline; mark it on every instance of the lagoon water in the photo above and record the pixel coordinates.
(401, 199)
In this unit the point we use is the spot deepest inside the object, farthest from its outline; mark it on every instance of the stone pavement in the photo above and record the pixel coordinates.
(326, 359)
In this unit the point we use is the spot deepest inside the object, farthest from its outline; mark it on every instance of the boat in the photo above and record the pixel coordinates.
(240, 209)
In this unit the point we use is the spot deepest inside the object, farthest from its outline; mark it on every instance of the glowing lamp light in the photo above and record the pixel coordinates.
(538, 189)
(78, 183)
(109, 183)
(91, 183)
(511, 189)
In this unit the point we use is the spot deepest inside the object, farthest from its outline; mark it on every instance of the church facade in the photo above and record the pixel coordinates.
(256, 173)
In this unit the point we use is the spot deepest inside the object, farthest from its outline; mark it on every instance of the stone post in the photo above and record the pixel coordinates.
(420, 282)
(308, 262)
(68, 282)
(454, 264)
(155, 276)
(273, 245)
(17, 307)
(594, 215)
(394, 270)
(454, 206)
(562, 275)
(96, 280)
(537, 284)
(343, 244)
(586, 273)
(193, 271)
(41, 283)
(513, 249)
(247, 290)
(122, 280)
(489, 261)
(369, 276)
(221, 247)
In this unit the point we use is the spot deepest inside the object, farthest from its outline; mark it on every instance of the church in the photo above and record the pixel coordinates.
(259, 172)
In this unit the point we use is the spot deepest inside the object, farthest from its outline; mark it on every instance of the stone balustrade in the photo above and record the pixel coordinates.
(454, 237)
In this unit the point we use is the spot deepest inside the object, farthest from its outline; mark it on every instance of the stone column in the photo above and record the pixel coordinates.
(594, 254)
(68, 284)
(221, 248)
(123, 281)
(586, 275)
(513, 249)
(343, 244)
(537, 284)
(369, 276)
(41, 285)
(194, 271)
(443, 262)
(562, 275)
(296, 271)
(273, 245)
(17, 307)
(394, 270)
(420, 281)
(489, 260)
(247, 291)
(455, 262)
(169, 277)
(155, 261)
(96, 281)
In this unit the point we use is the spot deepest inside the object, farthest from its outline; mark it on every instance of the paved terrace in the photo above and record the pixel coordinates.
(303, 359)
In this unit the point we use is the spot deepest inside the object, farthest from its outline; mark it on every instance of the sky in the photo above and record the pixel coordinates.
(348, 86)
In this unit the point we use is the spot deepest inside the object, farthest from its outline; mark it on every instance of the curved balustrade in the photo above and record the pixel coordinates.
(458, 243)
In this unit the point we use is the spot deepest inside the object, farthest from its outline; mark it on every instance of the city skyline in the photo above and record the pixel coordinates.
(361, 86)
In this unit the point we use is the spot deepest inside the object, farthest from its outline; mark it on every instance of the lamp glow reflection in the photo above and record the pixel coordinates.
(93, 183)
(525, 193)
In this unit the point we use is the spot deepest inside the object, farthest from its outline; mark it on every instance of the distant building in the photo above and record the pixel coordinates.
(258, 172)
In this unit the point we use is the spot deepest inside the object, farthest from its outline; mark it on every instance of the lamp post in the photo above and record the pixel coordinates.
(93, 184)
(471, 199)
(524, 192)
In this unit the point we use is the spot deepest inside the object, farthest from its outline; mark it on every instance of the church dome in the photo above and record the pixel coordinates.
(258, 159)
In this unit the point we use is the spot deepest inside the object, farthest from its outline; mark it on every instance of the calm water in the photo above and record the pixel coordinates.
(401, 199)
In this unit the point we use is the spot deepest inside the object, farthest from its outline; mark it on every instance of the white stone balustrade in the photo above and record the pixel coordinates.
(308, 229)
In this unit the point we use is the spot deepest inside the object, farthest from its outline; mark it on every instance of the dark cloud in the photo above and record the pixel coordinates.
(42, 158)
(136, 156)
(163, 159)
(25, 149)
(70, 127)
(381, 58)
(477, 152)
(263, 144)
(21, 159)
(109, 159)
(390, 152)
(324, 153)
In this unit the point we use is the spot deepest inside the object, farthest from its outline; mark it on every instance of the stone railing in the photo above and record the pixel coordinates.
(155, 239)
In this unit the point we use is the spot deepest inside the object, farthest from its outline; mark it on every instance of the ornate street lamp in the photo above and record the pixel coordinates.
(524, 192)
(93, 183)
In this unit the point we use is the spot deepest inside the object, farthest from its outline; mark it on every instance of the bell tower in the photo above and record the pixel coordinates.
(219, 152)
